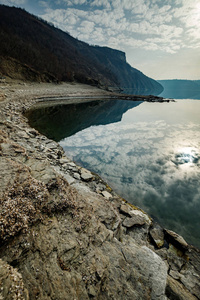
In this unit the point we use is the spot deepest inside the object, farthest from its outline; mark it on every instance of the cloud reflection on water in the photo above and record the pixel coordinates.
(150, 159)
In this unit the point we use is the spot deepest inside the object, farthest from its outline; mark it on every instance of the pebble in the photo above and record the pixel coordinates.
(63, 161)
(106, 194)
(77, 176)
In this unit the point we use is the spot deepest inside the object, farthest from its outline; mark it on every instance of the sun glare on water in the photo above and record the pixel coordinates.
(186, 157)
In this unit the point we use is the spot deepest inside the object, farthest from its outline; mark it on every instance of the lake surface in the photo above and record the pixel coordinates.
(149, 153)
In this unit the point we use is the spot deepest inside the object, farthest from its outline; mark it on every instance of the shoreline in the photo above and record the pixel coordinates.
(100, 221)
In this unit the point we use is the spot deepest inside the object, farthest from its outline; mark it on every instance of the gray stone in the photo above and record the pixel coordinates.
(177, 238)
(64, 161)
(86, 175)
(77, 176)
(156, 270)
(191, 280)
(52, 145)
(32, 132)
(153, 271)
(125, 209)
(175, 258)
(174, 274)
(136, 220)
(23, 135)
(157, 235)
(71, 164)
(106, 195)
(139, 213)
(68, 177)
(175, 290)
(41, 170)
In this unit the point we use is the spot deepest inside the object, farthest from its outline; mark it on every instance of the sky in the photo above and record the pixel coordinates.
(161, 38)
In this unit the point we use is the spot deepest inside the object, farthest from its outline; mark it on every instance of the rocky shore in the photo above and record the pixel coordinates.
(64, 233)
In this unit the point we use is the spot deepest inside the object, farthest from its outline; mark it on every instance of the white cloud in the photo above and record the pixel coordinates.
(87, 26)
(71, 2)
(101, 3)
(43, 4)
(146, 24)
(13, 2)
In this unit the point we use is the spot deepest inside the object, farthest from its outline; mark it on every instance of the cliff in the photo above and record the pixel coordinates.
(32, 49)
(131, 80)
(64, 234)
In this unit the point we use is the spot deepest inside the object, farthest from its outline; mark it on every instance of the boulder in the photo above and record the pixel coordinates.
(176, 239)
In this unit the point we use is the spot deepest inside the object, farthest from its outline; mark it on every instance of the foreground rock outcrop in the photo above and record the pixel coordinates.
(65, 234)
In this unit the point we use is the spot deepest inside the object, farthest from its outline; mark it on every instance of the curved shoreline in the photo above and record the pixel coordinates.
(125, 234)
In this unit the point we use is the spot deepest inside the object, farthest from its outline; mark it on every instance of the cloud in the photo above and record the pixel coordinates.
(43, 4)
(13, 2)
(151, 25)
(71, 2)
(87, 26)
(101, 3)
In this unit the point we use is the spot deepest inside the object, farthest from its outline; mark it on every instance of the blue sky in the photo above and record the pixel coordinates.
(161, 38)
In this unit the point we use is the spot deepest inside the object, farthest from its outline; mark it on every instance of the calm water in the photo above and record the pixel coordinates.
(148, 152)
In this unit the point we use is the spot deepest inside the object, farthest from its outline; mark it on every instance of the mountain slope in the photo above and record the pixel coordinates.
(52, 54)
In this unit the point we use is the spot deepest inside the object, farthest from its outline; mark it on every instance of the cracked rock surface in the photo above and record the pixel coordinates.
(64, 234)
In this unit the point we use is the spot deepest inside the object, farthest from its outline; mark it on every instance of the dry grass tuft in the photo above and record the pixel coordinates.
(21, 205)
(28, 199)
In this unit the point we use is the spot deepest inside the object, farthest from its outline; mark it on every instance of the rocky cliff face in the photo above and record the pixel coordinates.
(65, 234)
(131, 80)
(36, 50)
